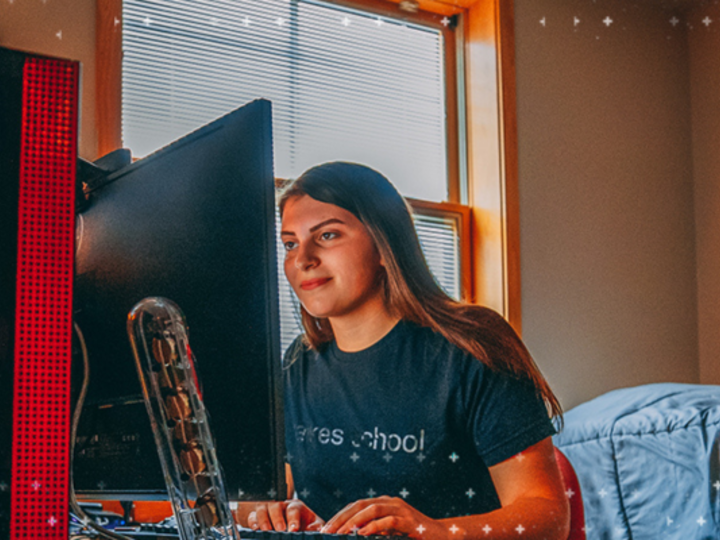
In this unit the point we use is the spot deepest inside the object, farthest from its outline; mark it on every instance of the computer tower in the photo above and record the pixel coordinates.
(38, 160)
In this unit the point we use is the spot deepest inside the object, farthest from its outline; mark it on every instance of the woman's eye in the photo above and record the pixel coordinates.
(289, 245)
(328, 235)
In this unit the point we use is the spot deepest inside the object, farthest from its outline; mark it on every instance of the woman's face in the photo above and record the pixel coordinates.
(331, 261)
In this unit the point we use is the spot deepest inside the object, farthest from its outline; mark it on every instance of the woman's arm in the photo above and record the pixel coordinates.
(529, 485)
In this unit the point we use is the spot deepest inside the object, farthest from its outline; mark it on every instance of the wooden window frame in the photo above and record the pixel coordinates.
(489, 217)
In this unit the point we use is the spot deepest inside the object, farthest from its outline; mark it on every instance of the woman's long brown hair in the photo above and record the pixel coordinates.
(411, 291)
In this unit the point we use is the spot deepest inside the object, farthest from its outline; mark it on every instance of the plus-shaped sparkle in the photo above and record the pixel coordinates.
(420, 529)
(543, 21)
(454, 457)
(420, 457)
(147, 21)
(486, 529)
(387, 457)
(304, 493)
(445, 21)
(569, 493)
(337, 493)
(379, 22)
(520, 456)
(345, 21)
(470, 493)
(52, 521)
(59, 34)
(716, 485)
(35, 485)
(520, 529)
(674, 21)
(3, 486)
(279, 21)
(272, 493)
(607, 21)
(669, 521)
(371, 493)
(240, 493)
(706, 21)
(576, 21)
(454, 529)
(701, 521)
(602, 493)
(354, 457)
(404, 493)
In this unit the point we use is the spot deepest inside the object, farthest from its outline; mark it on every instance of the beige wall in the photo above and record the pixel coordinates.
(609, 291)
(62, 28)
(704, 44)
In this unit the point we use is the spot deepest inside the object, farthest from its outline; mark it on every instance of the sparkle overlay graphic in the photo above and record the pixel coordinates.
(576, 21)
(520, 456)
(701, 521)
(35, 485)
(453, 457)
(52, 521)
(345, 21)
(304, 493)
(669, 521)
(706, 21)
(716, 485)
(240, 493)
(543, 21)
(674, 21)
(338, 493)
(420, 529)
(569, 493)
(602, 493)
(272, 493)
(487, 529)
(387, 457)
(404, 493)
(354, 457)
(445, 21)
(453, 529)
(470, 493)
(371, 493)
(520, 529)
(607, 21)
(378, 22)
(420, 457)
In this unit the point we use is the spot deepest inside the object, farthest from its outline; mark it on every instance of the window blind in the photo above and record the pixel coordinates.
(345, 84)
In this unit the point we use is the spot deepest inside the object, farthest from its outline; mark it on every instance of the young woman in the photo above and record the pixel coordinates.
(406, 412)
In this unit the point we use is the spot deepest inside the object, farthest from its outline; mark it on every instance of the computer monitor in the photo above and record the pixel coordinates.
(193, 222)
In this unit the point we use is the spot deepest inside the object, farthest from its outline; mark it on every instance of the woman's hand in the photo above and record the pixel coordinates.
(384, 515)
(290, 515)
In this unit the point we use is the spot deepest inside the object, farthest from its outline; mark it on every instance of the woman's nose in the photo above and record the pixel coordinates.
(305, 257)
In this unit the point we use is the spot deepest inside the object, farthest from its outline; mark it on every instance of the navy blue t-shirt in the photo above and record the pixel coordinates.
(412, 416)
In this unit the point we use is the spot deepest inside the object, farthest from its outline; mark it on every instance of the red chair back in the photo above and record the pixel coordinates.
(572, 489)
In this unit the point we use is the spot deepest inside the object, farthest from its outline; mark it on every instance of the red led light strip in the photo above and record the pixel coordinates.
(43, 312)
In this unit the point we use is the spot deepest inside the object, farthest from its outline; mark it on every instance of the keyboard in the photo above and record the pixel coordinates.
(151, 531)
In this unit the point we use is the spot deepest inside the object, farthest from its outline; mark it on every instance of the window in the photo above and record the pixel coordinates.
(345, 84)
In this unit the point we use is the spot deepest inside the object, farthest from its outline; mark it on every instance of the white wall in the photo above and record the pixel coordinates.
(609, 293)
(704, 43)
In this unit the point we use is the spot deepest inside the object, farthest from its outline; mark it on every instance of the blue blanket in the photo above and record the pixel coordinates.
(648, 461)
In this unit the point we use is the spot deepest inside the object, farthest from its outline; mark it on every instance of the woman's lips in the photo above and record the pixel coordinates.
(311, 284)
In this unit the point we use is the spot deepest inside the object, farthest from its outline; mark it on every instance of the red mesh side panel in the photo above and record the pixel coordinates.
(44, 301)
